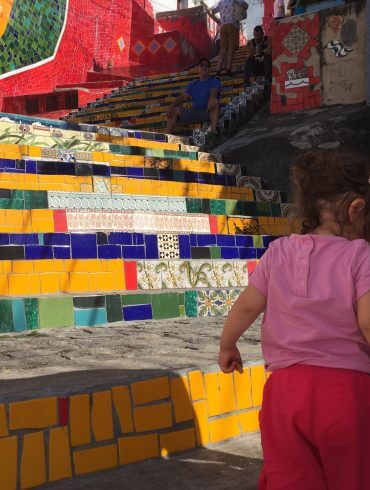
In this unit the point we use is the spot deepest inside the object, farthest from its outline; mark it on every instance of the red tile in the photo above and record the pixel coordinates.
(60, 220)
(130, 269)
(251, 265)
(63, 410)
(213, 223)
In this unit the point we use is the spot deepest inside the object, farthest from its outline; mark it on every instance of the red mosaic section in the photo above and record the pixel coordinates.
(293, 59)
(97, 34)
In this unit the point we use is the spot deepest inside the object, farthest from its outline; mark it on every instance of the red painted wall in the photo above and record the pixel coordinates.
(91, 38)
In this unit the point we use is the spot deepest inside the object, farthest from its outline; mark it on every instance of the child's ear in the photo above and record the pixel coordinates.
(355, 209)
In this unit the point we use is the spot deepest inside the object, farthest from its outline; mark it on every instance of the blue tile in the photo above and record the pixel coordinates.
(229, 253)
(35, 252)
(260, 252)
(62, 252)
(31, 167)
(89, 317)
(193, 240)
(151, 247)
(219, 179)
(101, 170)
(24, 239)
(231, 180)
(84, 246)
(19, 315)
(109, 252)
(160, 137)
(7, 164)
(266, 240)
(184, 247)
(137, 312)
(205, 240)
(4, 239)
(226, 240)
(133, 252)
(57, 239)
(138, 239)
(135, 172)
(247, 253)
(137, 135)
(120, 238)
(244, 240)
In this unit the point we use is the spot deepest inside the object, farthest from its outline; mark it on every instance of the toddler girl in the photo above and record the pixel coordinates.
(314, 290)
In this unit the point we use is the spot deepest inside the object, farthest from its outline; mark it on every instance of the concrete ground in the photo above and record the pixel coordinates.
(232, 464)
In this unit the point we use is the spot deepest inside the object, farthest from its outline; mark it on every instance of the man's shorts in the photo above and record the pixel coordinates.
(229, 37)
(189, 116)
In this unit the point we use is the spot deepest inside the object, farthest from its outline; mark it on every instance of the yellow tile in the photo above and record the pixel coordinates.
(153, 417)
(34, 282)
(4, 286)
(180, 394)
(258, 382)
(137, 448)
(176, 441)
(213, 394)
(105, 282)
(224, 428)
(78, 282)
(22, 266)
(79, 420)
(33, 468)
(8, 463)
(60, 465)
(201, 422)
(249, 421)
(150, 390)
(227, 395)
(34, 151)
(3, 422)
(122, 405)
(49, 283)
(96, 459)
(196, 385)
(243, 389)
(102, 417)
(33, 414)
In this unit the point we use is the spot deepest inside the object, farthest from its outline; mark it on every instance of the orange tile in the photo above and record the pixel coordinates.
(151, 390)
(60, 465)
(176, 441)
(122, 404)
(3, 422)
(224, 428)
(201, 422)
(137, 448)
(33, 414)
(101, 416)
(49, 283)
(153, 417)
(9, 463)
(180, 394)
(33, 467)
(95, 459)
(79, 419)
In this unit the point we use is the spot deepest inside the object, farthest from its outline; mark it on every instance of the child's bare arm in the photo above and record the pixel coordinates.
(244, 312)
(363, 315)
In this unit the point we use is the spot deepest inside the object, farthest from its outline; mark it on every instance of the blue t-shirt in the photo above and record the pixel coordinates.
(200, 91)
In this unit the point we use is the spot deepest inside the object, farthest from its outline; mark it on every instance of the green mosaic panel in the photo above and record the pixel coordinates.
(6, 316)
(191, 303)
(31, 307)
(217, 206)
(32, 33)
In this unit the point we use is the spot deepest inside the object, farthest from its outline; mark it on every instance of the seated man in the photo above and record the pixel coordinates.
(205, 94)
(259, 61)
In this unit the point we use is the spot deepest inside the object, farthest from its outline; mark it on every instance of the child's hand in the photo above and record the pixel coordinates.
(230, 360)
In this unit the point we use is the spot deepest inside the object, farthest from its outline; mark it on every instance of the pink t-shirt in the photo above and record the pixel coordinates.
(312, 284)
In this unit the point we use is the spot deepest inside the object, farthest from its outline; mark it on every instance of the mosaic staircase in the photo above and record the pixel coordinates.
(98, 228)
(142, 104)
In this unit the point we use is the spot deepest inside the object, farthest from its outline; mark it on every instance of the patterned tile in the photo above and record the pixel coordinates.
(169, 44)
(121, 43)
(154, 46)
(296, 40)
(138, 48)
(168, 246)
(267, 196)
(102, 185)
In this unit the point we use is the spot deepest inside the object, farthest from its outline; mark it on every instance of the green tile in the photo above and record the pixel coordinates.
(275, 209)
(56, 312)
(263, 208)
(136, 299)
(179, 175)
(257, 241)
(16, 204)
(206, 207)
(36, 200)
(6, 316)
(182, 310)
(19, 315)
(165, 305)
(231, 206)
(89, 302)
(5, 203)
(193, 205)
(18, 194)
(217, 206)
(249, 209)
(181, 298)
(114, 308)
(191, 303)
(31, 307)
(215, 252)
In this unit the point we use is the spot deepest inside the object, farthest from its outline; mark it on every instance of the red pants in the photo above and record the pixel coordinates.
(315, 429)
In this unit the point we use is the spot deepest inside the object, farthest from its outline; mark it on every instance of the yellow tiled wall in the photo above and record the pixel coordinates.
(50, 439)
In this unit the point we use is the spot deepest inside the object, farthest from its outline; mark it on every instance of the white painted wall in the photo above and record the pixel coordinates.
(255, 11)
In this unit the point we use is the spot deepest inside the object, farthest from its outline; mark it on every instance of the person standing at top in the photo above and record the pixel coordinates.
(314, 289)
(279, 9)
(259, 60)
(231, 13)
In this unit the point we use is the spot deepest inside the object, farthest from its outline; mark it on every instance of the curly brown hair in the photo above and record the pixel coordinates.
(336, 177)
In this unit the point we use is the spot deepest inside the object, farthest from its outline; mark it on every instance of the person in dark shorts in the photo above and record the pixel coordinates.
(205, 94)
(259, 61)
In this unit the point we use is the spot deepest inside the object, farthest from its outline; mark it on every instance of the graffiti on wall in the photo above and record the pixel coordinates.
(344, 57)
(30, 33)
